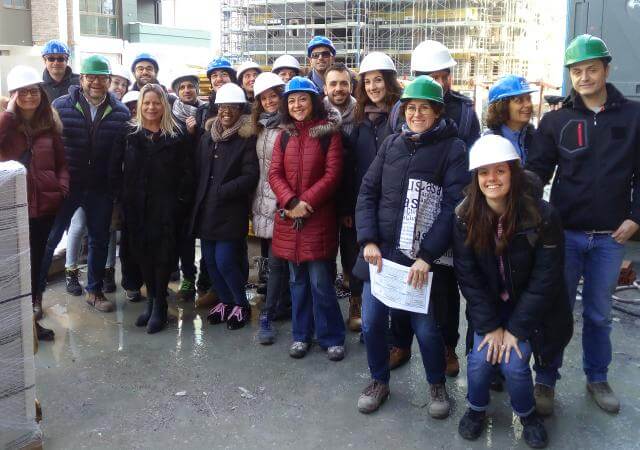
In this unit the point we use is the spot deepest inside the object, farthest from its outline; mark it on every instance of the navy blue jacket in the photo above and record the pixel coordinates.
(56, 89)
(598, 160)
(88, 155)
(438, 157)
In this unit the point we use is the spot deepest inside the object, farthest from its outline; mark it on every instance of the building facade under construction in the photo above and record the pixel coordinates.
(486, 37)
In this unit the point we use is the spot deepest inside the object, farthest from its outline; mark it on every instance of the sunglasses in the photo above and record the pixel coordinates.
(323, 54)
(57, 58)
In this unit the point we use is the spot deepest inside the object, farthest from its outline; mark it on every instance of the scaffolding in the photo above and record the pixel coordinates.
(484, 36)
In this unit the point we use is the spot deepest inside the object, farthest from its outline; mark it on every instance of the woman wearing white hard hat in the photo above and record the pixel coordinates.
(227, 174)
(265, 117)
(248, 71)
(30, 133)
(130, 100)
(508, 257)
(120, 81)
(286, 67)
(377, 91)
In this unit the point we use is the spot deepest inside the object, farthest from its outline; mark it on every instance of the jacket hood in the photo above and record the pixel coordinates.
(446, 128)
(46, 77)
(318, 127)
(246, 130)
(614, 99)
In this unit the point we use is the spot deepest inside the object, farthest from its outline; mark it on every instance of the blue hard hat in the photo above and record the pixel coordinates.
(301, 84)
(144, 57)
(318, 41)
(55, 47)
(220, 63)
(509, 86)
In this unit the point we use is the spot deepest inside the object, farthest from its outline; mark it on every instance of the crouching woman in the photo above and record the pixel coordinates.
(509, 258)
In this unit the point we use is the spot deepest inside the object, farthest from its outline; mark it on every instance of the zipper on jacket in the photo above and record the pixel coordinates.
(300, 172)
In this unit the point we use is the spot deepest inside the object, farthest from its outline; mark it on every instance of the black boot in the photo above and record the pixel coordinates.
(471, 424)
(44, 334)
(109, 281)
(158, 318)
(143, 318)
(534, 432)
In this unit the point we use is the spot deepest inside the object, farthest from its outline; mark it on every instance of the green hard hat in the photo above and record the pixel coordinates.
(423, 88)
(585, 47)
(96, 65)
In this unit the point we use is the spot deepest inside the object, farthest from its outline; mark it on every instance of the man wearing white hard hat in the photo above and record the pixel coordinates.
(286, 67)
(434, 59)
(247, 73)
(509, 261)
(227, 175)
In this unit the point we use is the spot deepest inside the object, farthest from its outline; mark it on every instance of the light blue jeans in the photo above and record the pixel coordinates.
(77, 230)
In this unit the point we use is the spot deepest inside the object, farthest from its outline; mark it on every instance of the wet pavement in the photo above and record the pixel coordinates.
(105, 383)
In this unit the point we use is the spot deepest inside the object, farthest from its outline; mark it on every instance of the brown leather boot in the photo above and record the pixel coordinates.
(355, 318)
(37, 306)
(398, 357)
(208, 300)
(453, 366)
(100, 302)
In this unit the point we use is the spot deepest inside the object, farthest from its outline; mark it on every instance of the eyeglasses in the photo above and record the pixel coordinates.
(322, 54)
(219, 74)
(228, 107)
(422, 109)
(33, 92)
(99, 78)
(57, 58)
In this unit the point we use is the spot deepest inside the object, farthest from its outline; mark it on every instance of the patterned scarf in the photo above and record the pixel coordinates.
(183, 110)
(269, 120)
(218, 134)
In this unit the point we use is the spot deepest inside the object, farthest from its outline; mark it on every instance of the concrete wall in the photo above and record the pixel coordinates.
(15, 26)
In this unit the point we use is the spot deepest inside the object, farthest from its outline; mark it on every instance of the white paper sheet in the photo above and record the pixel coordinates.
(391, 288)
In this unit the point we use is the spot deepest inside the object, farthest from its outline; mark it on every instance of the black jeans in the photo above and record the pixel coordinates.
(39, 229)
(349, 250)
(278, 292)
(444, 292)
(131, 271)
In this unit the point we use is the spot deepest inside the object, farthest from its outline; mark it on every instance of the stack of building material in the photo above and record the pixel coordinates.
(18, 427)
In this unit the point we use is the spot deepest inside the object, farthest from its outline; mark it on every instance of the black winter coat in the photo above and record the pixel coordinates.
(438, 157)
(227, 174)
(153, 180)
(598, 159)
(88, 155)
(534, 270)
(363, 145)
(56, 89)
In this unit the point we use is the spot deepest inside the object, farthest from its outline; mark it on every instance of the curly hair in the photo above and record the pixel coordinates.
(498, 114)
(392, 94)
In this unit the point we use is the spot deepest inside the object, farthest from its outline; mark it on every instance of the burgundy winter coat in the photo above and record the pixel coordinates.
(309, 173)
(47, 174)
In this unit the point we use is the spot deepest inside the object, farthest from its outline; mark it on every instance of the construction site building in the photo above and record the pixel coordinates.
(486, 37)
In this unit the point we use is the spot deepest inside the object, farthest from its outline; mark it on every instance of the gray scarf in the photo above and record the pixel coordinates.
(269, 120)
(183, 110)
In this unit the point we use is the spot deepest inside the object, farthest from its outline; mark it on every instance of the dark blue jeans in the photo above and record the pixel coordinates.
(349, 250)
(225, 266)
(314, 302)
(278, 293)
(517, 374)
(375, 323)
(597, 258)
(98, 207)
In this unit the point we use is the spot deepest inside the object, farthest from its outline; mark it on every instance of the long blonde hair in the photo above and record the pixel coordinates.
(168, 125)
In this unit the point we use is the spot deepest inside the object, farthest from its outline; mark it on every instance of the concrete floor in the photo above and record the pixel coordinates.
(104, 383)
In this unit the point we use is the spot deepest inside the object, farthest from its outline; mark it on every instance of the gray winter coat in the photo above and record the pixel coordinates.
(264, 203)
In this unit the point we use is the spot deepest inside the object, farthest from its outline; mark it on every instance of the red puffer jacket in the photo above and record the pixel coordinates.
(47, 175)
(305, 171)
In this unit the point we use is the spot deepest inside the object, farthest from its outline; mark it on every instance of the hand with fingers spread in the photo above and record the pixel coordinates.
(372, 255)
(509, 342)
(418, 273)
(494, 344)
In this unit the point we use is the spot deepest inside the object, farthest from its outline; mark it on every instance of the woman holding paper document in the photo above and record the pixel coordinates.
(404, 215)
(508, 256)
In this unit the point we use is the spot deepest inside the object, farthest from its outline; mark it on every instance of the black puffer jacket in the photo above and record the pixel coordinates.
(152, 176)
(227, 174)
(598, 160)
(55, 89)
(438, 157)
(534, 269)
(88, 154)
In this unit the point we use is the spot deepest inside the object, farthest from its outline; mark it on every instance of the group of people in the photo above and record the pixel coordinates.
(328, 161)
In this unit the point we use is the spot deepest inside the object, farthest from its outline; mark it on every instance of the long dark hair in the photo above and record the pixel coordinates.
(45, 119)
(481, 220)
(318, 110)
(392, 95)
(257, 109)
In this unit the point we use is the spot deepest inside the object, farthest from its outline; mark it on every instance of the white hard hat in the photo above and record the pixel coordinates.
(266, 80)
(491, 149)
(431, 56)
(285, 62)
(131, 96)
(21, 76)
(119, 70)
(184, 75)
(230, 93)
(246, 66)
(377, 61)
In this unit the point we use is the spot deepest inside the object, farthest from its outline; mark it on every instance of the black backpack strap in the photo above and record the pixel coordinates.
(325, 142)
(284, 140)
(466, 117)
